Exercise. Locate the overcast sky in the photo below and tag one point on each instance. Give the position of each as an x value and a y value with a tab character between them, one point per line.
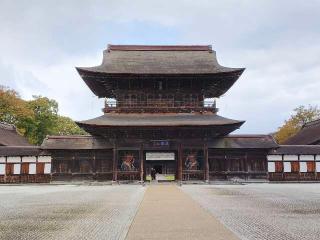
278	42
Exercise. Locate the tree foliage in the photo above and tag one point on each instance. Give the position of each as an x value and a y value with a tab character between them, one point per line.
36	118
66	126
301	116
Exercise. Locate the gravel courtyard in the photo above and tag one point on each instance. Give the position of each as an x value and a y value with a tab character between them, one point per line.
263	211
67	211
253	211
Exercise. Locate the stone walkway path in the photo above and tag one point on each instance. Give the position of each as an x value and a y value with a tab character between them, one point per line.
168	213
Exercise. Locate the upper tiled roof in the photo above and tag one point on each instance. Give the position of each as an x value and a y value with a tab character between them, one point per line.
142	59
309	134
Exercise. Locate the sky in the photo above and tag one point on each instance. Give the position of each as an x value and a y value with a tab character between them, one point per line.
278	42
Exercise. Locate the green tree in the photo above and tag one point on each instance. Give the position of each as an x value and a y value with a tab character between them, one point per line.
36	118
301	116
45	117
66	126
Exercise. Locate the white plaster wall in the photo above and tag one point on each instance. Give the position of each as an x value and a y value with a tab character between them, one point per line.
44	159
47	168
306	157
2	159
303	167
290	157
29	159
13	159
271	167
2	169
274	157
16	168
32	168
318	166
286	167
318	157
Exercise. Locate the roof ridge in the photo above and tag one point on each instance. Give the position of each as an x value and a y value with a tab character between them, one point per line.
20	146
69	136
248	135
112	47
313	122
7	126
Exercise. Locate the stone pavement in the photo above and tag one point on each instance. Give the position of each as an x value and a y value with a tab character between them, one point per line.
168	213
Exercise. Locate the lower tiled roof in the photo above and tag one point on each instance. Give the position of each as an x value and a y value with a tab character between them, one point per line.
249	141
180	119
296	149
22	151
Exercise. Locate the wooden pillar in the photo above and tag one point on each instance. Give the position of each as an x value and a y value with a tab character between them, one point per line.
141	163
227	166
115	164
94	170
228	162
73	166
206	163
246	165
180	153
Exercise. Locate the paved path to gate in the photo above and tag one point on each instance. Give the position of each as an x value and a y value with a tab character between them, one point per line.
168	213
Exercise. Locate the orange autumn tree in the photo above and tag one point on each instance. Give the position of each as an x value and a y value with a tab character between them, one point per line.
301	116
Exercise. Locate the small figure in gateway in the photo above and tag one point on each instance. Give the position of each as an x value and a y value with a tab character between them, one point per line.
153	174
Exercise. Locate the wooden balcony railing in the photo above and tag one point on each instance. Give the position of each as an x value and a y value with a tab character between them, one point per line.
160	106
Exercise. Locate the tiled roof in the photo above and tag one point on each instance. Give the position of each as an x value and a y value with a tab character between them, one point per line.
9	136
296	149
309	134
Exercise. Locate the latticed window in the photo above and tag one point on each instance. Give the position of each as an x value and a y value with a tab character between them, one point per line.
217	164
85	166
63	167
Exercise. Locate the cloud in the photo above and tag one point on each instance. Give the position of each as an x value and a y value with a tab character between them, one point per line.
277	42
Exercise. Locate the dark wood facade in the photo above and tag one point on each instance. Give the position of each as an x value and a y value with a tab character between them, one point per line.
193	160
159	99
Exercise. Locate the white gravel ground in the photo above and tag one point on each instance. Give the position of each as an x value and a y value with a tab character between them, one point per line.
67	211
254	211
263	211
